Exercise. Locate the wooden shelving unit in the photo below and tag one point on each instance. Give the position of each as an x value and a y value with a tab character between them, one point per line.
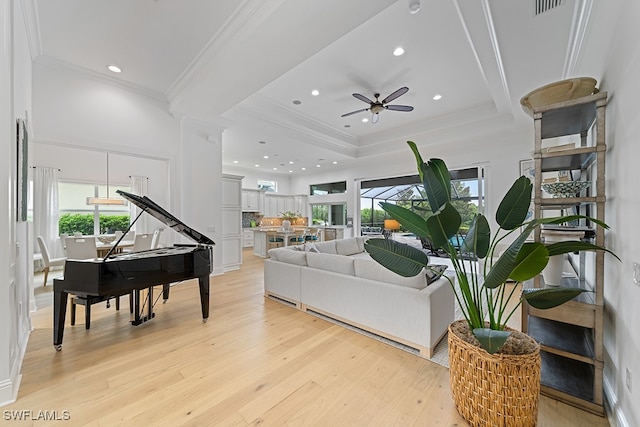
571	335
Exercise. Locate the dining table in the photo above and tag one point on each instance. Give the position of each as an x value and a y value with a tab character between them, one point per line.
104	248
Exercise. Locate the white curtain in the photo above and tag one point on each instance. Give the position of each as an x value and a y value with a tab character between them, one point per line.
139	186
46	209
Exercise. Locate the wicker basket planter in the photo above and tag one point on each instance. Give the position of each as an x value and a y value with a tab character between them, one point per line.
494	389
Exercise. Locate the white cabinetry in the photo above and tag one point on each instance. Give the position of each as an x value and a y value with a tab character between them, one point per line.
247	238
231	222
252	200
276	204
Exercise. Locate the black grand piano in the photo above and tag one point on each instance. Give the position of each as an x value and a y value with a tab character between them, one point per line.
130	273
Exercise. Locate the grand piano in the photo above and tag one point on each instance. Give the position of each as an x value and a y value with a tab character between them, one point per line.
133	273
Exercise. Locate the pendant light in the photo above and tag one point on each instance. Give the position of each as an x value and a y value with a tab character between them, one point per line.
106	200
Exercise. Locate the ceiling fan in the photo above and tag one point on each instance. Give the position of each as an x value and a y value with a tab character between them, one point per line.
377	106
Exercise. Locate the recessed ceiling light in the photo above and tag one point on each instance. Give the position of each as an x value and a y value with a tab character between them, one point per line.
275	169
317	166
235	161
290	171
262	142
257	166
114	68
398	51
290	163
297	102
437	97
315	92
365	120
304	169
335	163
266	157
321	160
347	126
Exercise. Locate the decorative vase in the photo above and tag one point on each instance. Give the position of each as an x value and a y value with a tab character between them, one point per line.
494	389
552	273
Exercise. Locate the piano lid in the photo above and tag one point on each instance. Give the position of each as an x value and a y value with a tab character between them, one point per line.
155	210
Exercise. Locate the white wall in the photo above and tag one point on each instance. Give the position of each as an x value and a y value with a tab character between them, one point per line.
16	290
251	178
622	297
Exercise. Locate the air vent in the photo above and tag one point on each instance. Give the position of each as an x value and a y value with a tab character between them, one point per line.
542	6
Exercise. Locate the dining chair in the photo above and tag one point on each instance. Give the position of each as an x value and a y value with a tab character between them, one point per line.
142	242
155	240
129	237
81	248
47	260
312	235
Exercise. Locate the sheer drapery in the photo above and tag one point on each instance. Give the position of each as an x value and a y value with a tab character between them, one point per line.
46	209
139	186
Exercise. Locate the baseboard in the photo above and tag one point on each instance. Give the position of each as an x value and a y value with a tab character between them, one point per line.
9	387
218	271
614	413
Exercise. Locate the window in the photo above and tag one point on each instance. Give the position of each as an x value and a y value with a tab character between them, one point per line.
329	188
77	217
270	186
467	195
329	214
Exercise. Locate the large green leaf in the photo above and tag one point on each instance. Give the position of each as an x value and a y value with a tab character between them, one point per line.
418	157
560	248
502	269
442	225
478	238
514	206
409	220
545	298
402	259
490	339
530	261
437	183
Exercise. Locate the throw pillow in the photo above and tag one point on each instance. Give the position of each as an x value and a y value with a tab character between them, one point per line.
434	272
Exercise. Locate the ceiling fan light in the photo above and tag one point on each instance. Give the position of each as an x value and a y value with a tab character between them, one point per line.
398	51
375	118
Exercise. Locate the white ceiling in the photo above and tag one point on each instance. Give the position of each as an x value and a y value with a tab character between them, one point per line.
243	63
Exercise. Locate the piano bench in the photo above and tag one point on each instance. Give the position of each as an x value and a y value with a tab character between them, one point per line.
88	301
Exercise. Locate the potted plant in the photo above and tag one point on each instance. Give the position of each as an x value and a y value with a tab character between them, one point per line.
482	339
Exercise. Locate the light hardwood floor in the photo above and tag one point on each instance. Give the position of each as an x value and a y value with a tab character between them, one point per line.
255	362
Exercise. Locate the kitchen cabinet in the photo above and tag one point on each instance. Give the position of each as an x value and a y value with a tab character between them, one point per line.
231	222
571	335
247	238
252	200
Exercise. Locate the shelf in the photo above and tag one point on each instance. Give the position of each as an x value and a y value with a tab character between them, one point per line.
569	376
572	341
566	202
569	117
578	158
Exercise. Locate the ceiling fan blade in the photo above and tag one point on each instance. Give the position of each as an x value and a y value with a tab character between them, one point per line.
363	98
399	107
395	94
354	112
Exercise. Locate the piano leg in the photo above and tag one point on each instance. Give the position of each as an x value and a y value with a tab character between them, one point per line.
204	296
59	314
165	293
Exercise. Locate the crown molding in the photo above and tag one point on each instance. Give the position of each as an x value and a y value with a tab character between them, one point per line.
50	61
32	24
577	34
239	22
483	42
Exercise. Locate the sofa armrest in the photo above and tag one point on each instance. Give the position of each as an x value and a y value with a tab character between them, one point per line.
282	280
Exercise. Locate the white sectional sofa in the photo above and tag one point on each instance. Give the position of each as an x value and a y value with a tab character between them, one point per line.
339	279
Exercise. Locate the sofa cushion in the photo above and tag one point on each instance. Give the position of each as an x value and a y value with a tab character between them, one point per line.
347	246
273	254
331	262
369	269
293	257
360	241
327	247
